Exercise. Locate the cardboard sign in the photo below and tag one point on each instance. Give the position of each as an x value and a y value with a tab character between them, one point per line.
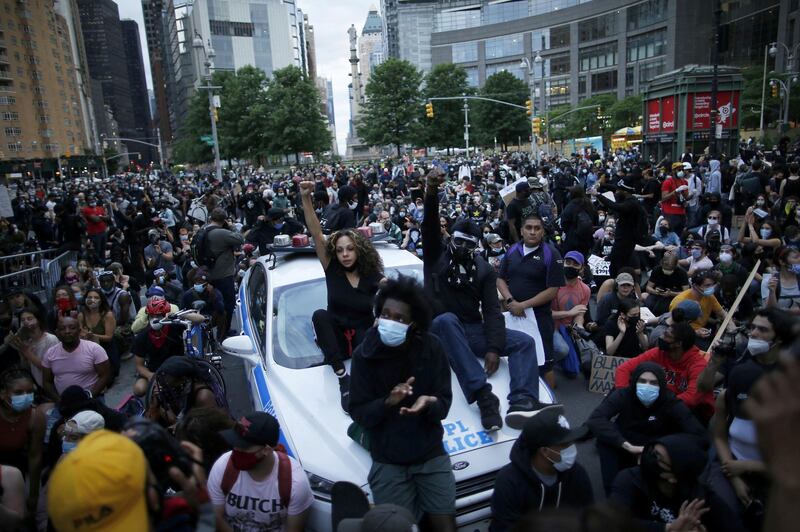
509	192
599	266
604	368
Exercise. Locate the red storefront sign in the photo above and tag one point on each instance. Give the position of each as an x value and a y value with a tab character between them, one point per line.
698	110
668	114
653	117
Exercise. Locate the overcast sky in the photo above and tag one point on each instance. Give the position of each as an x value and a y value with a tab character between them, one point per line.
330	19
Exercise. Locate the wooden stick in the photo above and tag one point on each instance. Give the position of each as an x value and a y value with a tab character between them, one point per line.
735	305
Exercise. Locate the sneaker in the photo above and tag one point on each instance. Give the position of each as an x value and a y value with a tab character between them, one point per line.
344	390
489	405
521	411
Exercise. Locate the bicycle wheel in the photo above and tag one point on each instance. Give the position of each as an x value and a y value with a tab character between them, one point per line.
215	374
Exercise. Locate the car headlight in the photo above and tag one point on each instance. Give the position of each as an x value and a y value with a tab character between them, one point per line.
319	484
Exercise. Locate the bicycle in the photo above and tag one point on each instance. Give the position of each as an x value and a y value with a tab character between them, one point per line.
198	338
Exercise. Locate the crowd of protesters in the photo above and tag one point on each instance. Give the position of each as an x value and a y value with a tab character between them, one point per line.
687	267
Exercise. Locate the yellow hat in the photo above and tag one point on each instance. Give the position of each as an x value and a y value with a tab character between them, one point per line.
677	166
100	486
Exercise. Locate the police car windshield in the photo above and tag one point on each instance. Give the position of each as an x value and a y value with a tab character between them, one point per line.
293	344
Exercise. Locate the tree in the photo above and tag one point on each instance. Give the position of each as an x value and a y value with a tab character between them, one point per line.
392	110
189	148
583	123
295	120
494	120
242	114
626	112
444	130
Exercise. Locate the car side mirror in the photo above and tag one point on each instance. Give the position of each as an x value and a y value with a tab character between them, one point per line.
241	346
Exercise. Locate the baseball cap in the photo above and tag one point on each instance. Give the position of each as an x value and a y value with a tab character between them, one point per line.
577	256
258	428
100	486
275	213
493	238
201	274
522	187
624	278
159	271
382	518
691	309
550	427
85	422
677	166
156	291
687	166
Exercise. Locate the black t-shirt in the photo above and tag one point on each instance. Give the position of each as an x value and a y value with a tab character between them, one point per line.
651	186
155	356
351	306
517	210
673	283
629	347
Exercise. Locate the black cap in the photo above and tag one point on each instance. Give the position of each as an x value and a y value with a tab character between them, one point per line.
258	428
523	187
275	213
550	427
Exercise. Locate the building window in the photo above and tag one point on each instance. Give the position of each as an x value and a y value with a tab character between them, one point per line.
14	146
539	40
650	70
472	76
604	81
8	100
597	28
465	52
458	19
13	132
647	45
559	36
10	115
504	46
47	133
44	119
235	29
647	13
602	56
51	147
512	67
503	12
581	84
629	79
559	64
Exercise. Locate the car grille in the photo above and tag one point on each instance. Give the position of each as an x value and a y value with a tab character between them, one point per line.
474	494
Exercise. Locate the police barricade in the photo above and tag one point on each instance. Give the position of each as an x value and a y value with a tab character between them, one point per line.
52	269
23	261
29	280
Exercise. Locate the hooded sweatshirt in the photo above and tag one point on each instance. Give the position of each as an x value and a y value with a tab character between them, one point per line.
714	183
681	375
638	424
376	369
636	488
519	490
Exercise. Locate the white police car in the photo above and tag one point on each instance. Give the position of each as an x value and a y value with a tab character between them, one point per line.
287	379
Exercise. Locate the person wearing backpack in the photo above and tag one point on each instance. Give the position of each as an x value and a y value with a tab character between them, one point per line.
256	486
577	221
215	248
632	227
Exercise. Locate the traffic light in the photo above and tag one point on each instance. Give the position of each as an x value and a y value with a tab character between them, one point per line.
537	125
543	124
216	114
599	110
774	87
429	110
528	107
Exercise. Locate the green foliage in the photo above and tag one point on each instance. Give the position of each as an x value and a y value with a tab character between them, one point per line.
750	102
625	113
446	128
493	120
394	101
242	113
584	123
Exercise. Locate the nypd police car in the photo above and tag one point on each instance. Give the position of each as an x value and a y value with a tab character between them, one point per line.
288	379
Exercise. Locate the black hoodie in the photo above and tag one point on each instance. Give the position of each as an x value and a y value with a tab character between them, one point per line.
519	490
376	369
638	424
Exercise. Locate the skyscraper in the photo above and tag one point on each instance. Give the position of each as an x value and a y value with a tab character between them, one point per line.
155	21
105	53
370	45
138	89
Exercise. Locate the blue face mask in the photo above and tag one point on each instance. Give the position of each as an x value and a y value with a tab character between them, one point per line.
199	288
647	393
765	233
796	269
392	333
709	291
20	403
278	225
68	446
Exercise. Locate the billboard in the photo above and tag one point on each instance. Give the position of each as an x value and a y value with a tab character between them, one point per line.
653	116
698	110
668	114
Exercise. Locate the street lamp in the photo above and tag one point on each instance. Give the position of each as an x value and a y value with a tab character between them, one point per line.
530	66
197	44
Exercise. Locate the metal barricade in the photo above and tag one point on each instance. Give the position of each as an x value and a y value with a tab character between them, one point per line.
23	261
29	279
52	268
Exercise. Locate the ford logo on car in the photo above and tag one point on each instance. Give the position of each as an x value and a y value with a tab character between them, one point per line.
458	466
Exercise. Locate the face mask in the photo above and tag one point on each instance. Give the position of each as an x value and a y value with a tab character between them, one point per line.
110	290
708	291
663	231
244	461
757	346
725	258
20	403
352	205
712	221
568	456
633	322
601	219
199	288
92	304
760	203
795	268
647	393
68	446
680	175
570	273
63	304
697	253
184	238
155	324
279	226
765	233
392	333
663	345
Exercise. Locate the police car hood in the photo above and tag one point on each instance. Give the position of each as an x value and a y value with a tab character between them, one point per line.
306	402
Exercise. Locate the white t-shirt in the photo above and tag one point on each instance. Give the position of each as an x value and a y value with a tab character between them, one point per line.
256	506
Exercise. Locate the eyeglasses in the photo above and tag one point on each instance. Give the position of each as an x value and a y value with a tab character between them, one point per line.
463	242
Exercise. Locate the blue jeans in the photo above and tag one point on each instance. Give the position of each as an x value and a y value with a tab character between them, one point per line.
464	343
560	347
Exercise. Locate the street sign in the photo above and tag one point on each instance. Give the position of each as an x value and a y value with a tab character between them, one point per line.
207	138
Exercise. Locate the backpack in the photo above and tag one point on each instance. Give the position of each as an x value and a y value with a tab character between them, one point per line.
583	225
546	252
201	253
231	475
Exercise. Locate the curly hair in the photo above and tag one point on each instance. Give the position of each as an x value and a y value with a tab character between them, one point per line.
368	262
407	290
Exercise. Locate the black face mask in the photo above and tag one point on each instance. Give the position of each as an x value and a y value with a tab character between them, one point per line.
664	345
570	273
461	254
633	322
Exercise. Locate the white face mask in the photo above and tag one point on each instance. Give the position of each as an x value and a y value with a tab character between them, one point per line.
757	346
725	258
568	457
155	324
680	175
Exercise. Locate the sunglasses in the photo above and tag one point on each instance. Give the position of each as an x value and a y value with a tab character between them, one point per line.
463	242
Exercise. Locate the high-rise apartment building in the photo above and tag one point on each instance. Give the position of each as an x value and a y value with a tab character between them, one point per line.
138	89
105	52
40	109
156	23
370	45
311	48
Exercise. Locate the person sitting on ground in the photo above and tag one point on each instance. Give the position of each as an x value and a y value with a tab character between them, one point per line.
571	302
666	281
400	393
142	320
630	418
626	336
682	362
686	311
704	285
698	261
608	304
353	271
543	472
781	289
74	361
173	289
204	297
181	385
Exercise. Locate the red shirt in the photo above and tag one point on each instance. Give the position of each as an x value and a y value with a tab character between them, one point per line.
569	296
94	228
671	206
